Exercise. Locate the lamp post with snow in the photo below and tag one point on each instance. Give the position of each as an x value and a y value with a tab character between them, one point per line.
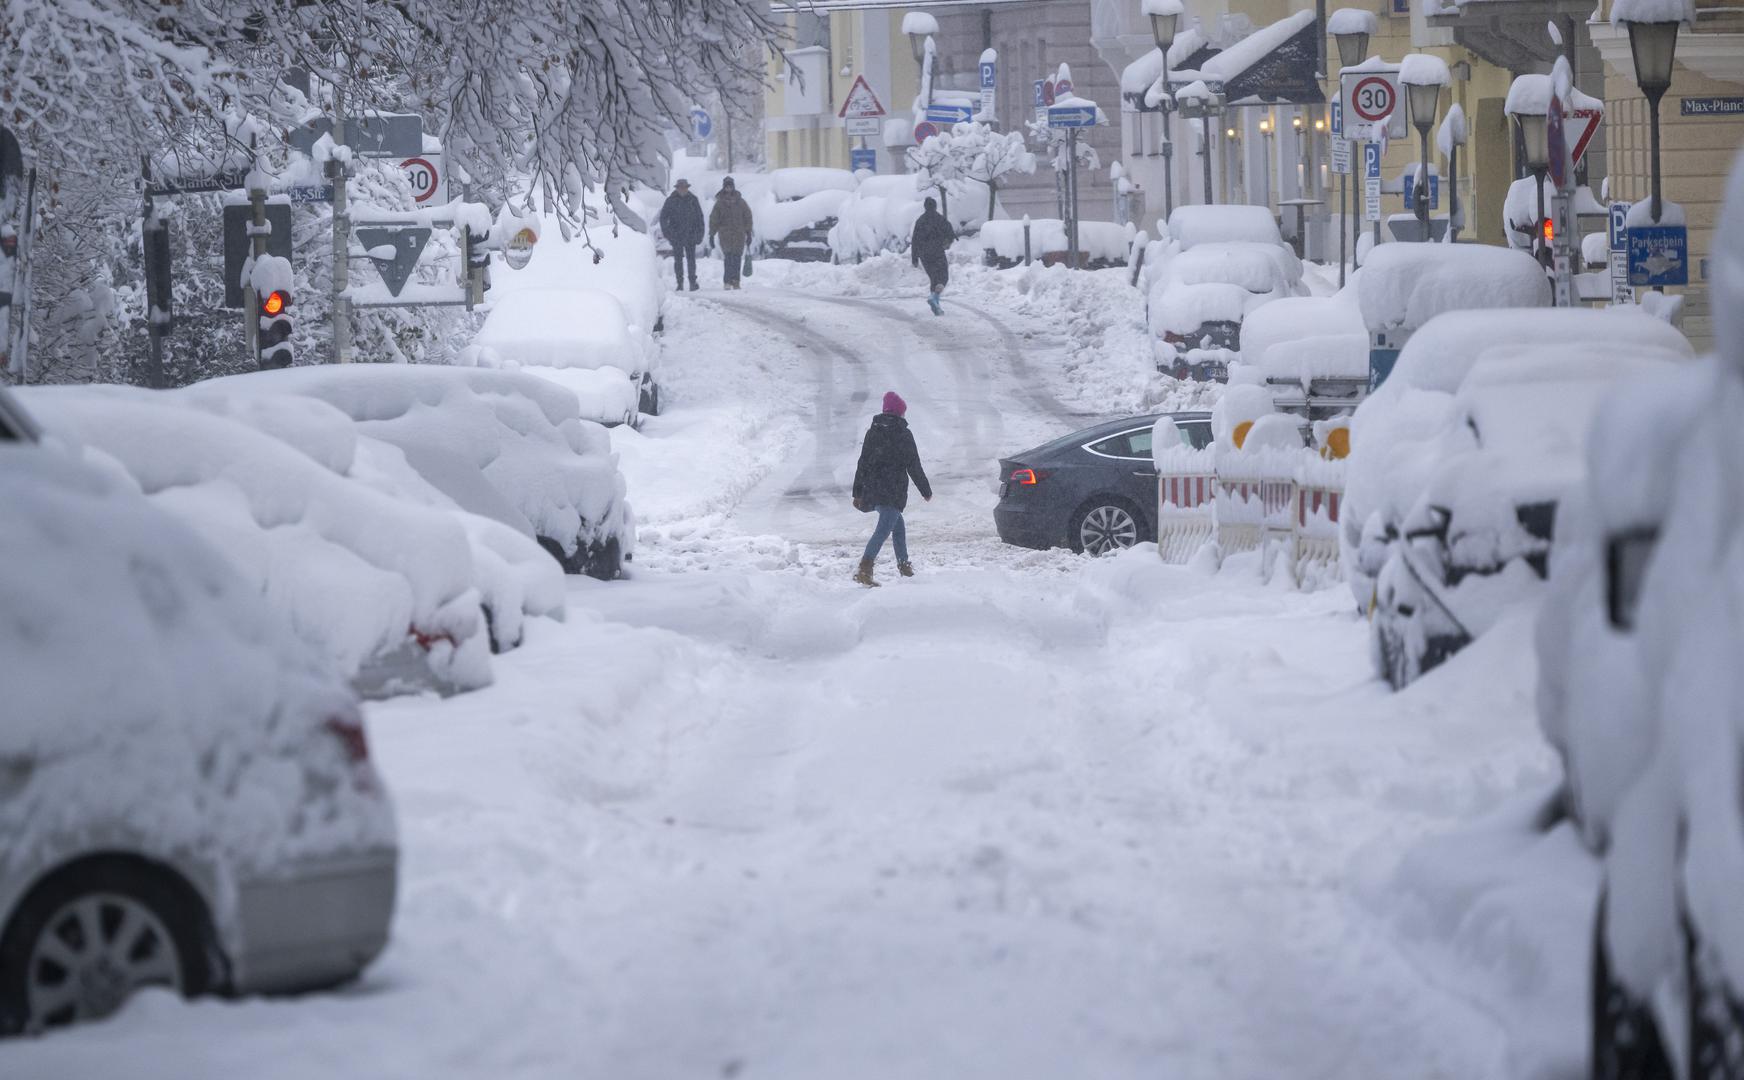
1350	29
1199	103
1529	107
1423	77
1165	16
920	26
1653	46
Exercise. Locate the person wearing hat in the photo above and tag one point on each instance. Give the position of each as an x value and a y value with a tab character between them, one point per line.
730	222
681	224
888	461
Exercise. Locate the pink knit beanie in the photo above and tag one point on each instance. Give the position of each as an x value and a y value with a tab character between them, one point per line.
893	403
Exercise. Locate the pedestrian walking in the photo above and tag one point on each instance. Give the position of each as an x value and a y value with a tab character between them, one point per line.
730	222
932	238
888	460
681	224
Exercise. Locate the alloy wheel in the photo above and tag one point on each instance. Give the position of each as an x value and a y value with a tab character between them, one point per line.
92	953
1107	528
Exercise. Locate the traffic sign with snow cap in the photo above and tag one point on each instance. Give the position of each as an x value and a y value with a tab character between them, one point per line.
924	130
1372	98
1062	88
394	249
860	102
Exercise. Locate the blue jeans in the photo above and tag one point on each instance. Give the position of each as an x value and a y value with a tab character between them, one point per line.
889	524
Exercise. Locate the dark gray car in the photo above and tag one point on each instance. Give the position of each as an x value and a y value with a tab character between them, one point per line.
1094	490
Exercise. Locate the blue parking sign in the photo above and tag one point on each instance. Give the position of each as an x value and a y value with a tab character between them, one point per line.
1658	255
1371	160
863	157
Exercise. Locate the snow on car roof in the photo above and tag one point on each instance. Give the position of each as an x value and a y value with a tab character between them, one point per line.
550	327
1185	308
796	183
151	689
1191	226
1258	268
1406	285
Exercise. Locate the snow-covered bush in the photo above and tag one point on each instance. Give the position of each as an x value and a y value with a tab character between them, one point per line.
881	215
1101	243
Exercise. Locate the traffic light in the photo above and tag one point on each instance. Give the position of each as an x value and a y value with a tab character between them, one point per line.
275	329
1549	231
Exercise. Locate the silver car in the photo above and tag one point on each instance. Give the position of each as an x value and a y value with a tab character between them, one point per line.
186	797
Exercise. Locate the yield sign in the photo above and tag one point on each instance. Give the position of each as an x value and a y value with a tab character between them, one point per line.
394	249
861	102
1581	126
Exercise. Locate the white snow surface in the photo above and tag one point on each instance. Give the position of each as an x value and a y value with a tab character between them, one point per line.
1406	285
151	692
753	820
1649	11
1424	69
919	22
797	183
552	472
1190	226
1352	21
561	328
1528	95
355	572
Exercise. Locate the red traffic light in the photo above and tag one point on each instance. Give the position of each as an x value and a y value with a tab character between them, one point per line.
273	303
1549	231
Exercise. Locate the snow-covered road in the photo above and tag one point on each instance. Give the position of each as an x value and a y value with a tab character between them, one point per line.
1025	815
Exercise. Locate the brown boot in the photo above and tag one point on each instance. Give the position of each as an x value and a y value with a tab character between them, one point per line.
864	574
906	569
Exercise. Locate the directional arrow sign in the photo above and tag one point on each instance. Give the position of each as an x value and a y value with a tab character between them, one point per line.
402	244
949	114
1072	116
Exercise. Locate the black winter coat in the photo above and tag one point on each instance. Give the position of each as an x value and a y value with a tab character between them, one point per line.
681	219
887	460
932	237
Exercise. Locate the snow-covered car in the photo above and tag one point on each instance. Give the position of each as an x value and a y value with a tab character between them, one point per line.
1204	293
800	207
1312	352
580	339
1638	691
186	794
386	589
1478	538
506	446
1394	431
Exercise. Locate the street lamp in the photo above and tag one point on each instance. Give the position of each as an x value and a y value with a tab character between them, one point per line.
1165	16
1199	103
1350	29
1423	76
1529	105
1654	46
920	26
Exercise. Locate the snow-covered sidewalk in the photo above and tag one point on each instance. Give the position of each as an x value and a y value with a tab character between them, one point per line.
1025	815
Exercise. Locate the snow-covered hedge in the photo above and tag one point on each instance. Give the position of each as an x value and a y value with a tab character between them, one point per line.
152	694
881	214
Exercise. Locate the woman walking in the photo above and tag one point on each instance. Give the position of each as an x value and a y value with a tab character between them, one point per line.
888	459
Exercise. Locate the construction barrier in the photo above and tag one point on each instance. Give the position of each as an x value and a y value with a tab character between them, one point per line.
1283	504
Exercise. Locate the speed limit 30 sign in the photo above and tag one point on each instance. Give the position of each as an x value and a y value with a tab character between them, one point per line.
424	177
1371	97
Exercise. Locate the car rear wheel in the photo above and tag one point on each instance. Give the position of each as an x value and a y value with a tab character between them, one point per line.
1102	526
86	940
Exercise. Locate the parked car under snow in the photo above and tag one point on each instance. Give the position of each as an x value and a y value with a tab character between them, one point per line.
1475	472
580	339
186	794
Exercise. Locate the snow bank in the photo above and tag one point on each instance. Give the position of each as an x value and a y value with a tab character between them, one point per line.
375	583
552	472
151	694
1403	286
1190	226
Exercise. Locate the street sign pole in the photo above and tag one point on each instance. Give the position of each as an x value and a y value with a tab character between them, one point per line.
1072	188
257	233
341	314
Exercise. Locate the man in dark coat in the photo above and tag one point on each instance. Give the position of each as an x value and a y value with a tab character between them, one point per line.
888	460
730	222
681	224
932	238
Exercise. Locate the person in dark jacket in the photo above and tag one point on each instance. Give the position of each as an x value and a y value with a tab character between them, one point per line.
681	224
730	222
888	460
932	238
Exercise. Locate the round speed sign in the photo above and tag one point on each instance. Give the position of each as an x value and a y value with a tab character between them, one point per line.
1372	99
422	173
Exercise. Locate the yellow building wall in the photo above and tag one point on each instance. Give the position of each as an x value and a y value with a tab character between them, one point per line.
1696	156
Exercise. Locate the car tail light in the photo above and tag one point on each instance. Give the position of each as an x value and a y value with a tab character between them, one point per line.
1026	477
1172	338
349	731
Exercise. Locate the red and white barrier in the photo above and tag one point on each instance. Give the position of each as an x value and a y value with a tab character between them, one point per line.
1276	502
